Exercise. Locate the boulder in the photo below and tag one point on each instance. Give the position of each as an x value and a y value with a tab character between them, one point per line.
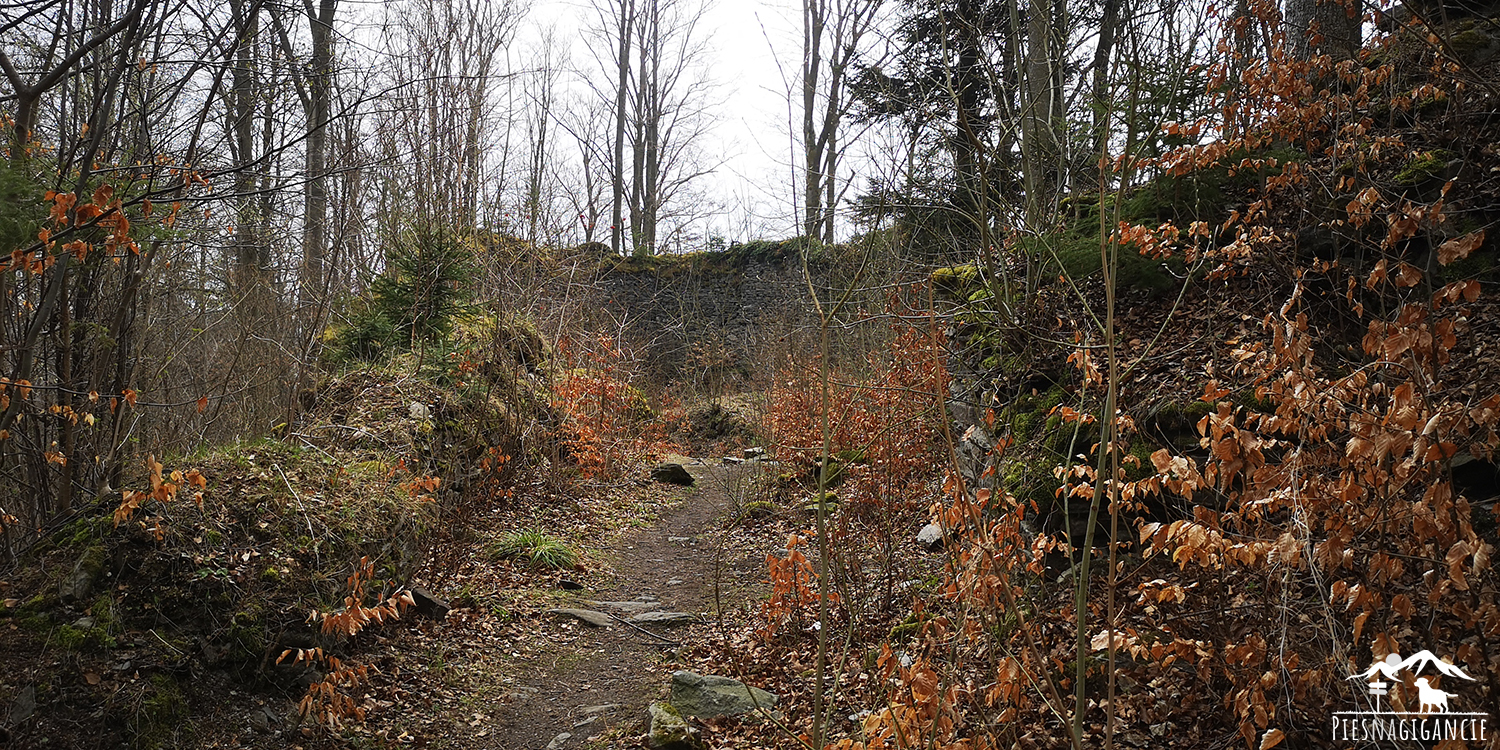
24	705
669	731
710	696
586	616
931	537
77	586
672	474
426	604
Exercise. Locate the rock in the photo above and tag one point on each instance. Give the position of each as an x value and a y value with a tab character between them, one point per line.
24	705
669	731
732	460
77	585
674	582
754	453
626	607
679	539
604	709
427	605
558	741
709	696
585	616
419	410
84	623
672	474
931	537
664	618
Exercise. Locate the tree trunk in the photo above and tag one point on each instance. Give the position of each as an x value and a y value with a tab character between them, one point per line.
248	269
315	203
1039	141
812	63
617	230
1322	27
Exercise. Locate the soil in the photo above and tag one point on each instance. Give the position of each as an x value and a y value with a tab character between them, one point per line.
680	561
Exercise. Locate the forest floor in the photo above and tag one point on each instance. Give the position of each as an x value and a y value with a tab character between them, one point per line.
518	677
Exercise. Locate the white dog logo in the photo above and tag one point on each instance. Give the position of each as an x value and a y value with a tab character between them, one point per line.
1430	699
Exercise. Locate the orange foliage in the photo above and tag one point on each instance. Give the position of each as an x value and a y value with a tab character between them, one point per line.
609	424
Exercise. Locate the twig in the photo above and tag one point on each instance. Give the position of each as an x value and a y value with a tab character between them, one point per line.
628	623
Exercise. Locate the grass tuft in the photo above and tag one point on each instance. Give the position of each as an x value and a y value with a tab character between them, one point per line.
534	549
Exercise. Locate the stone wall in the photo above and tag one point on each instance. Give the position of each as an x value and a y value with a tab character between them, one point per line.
704	316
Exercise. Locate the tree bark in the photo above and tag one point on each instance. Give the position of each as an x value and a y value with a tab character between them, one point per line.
1323	27
315	203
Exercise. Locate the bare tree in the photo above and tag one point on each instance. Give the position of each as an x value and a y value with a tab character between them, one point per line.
447	59
661	103
586	120
833	32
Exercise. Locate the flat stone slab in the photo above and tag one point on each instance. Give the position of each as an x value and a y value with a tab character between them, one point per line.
708	696
626	607
585	616
664	618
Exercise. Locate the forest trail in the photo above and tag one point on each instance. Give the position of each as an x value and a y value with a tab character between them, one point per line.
593	684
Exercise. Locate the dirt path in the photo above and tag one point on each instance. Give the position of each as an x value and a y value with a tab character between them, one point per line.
595	684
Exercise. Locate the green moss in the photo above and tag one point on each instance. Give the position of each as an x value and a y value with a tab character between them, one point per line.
1249	399
1075	253
159	721
908	628
70	638
1424	166
94	560
368	470
1472	45
247	635
1197	410
103	612
36	622
1140	466
1479	265
957	281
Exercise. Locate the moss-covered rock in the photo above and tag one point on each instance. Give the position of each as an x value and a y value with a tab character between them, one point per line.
669	731
1424	166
